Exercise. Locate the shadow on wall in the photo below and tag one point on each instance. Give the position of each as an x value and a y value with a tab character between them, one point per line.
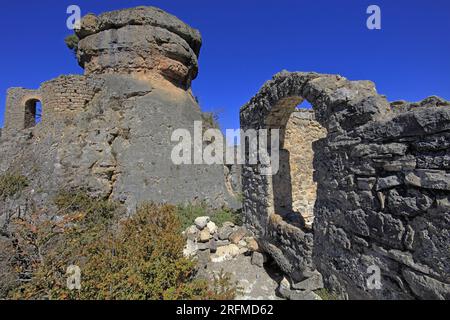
294	187
282	186
33	113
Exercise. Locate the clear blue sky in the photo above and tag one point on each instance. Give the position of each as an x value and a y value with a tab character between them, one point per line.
247	41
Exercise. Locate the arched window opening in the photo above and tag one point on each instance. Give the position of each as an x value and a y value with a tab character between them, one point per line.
33	113
304	105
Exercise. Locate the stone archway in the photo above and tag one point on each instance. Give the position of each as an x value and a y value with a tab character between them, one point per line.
338	104
280	208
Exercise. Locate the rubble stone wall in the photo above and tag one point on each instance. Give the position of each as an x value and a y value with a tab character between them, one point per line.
383	193
16	115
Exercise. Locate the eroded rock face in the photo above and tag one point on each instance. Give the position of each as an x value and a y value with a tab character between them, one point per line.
383	190
143	40
109	131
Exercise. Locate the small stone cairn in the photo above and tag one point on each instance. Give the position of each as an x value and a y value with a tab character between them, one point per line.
206	242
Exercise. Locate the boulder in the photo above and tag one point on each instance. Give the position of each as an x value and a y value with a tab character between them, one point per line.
228	224
205	235
258	259
211	227
287	292
388	182
429	179
201	222
222	243
252	244
225	232
190	249
314	282
203	246
191	233
213	245
203	257
225	253
425	287
238	235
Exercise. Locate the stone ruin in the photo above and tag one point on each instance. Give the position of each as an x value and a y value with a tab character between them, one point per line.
363	185
109	130
362	182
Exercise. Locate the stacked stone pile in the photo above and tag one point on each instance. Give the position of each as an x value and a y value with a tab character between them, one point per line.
207	242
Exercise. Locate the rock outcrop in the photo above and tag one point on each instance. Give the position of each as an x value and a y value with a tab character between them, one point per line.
140	40
109	131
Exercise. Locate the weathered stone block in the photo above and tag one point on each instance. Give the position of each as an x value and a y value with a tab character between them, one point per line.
429	179
388	182
425	287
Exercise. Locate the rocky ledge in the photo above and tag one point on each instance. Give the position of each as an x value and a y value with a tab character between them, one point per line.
139	40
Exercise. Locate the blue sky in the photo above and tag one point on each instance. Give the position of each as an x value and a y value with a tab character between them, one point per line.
247	41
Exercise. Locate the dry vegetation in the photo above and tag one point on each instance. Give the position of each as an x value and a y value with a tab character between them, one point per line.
135	258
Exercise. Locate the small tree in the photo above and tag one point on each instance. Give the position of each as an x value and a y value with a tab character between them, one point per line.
72	42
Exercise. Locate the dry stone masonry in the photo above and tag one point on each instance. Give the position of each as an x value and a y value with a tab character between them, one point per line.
383	188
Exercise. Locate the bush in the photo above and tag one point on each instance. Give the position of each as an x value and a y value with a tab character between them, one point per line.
325	294
210	120
11	185
72	42
138	258
188	213
95	210
220	216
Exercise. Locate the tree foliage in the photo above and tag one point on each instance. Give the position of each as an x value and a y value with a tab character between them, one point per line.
72	42
11	184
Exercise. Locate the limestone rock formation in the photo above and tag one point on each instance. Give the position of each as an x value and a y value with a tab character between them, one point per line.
139	40
109	131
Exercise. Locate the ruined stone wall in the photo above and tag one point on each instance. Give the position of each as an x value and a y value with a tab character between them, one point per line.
67	94
61	98
383	189
16	117
388	206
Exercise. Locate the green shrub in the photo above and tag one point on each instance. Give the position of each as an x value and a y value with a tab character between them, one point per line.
220	216
139	258
72	42
188	213
325	294
11	185
95	210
